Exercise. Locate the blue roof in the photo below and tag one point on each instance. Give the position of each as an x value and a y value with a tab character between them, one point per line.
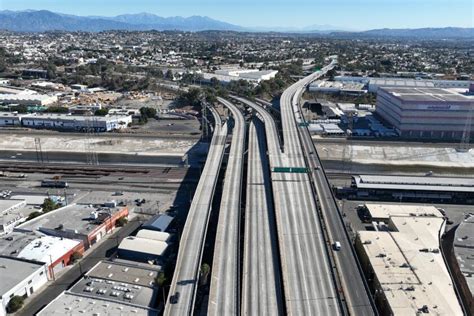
158	222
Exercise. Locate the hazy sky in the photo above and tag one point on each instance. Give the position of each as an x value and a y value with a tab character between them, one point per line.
349	14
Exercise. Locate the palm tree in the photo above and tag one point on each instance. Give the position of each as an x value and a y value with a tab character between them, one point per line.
205	269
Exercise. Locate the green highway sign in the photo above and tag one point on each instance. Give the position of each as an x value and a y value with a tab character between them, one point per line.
303	124
290	169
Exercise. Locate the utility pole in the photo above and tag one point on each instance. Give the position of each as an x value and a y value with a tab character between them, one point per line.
39	150
464	146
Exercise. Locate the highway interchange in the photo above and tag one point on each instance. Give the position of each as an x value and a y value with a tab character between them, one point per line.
290	220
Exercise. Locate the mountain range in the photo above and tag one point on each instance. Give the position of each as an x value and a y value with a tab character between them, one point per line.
43	20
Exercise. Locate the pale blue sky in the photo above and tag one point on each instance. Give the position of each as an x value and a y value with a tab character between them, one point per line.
350	14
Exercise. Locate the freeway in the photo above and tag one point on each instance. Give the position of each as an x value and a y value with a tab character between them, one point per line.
224	297
184	284
315	285
261	285
307	278
357	299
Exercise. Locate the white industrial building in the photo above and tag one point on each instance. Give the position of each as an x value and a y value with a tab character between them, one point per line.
406	269
56	252
153	235
250	75
373	84
141	249
19	277
10	215
335	87
78	123
10	119
425	112
28	99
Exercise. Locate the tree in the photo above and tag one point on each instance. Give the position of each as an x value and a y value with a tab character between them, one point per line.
147	112
160	279
33	215
49	205
76	256
169	75
120	222
51	70
205	269
57	109
101	112
15	303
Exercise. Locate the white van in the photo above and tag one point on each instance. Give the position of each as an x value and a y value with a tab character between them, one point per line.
336	245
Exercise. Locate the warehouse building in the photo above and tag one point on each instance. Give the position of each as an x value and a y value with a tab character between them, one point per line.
463	246
338	87
68	303
406	188
122	271
405	268
383	212
56	252
154	235
159	222
83	222
76	123
373	84
19	277
10	215
110	288
254	76
10	119
28	99
142	249
431	113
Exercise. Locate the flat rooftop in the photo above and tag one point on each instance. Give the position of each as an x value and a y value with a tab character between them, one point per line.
143	245
426	94
387	210
75	217
14	242
121	292
7	204
68	117
415	183
464	249
47	248
121	272
75	304
409	266
14	271
153	234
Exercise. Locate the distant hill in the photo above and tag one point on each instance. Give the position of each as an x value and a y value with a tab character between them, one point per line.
433	33
40	21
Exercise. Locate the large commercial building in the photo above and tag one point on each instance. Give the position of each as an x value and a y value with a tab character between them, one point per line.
425	112
405	267
10	215
463	255
254	76
407	188
76	123
66	122
28	99
110	288
373	84
55	251
82	222
19	277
